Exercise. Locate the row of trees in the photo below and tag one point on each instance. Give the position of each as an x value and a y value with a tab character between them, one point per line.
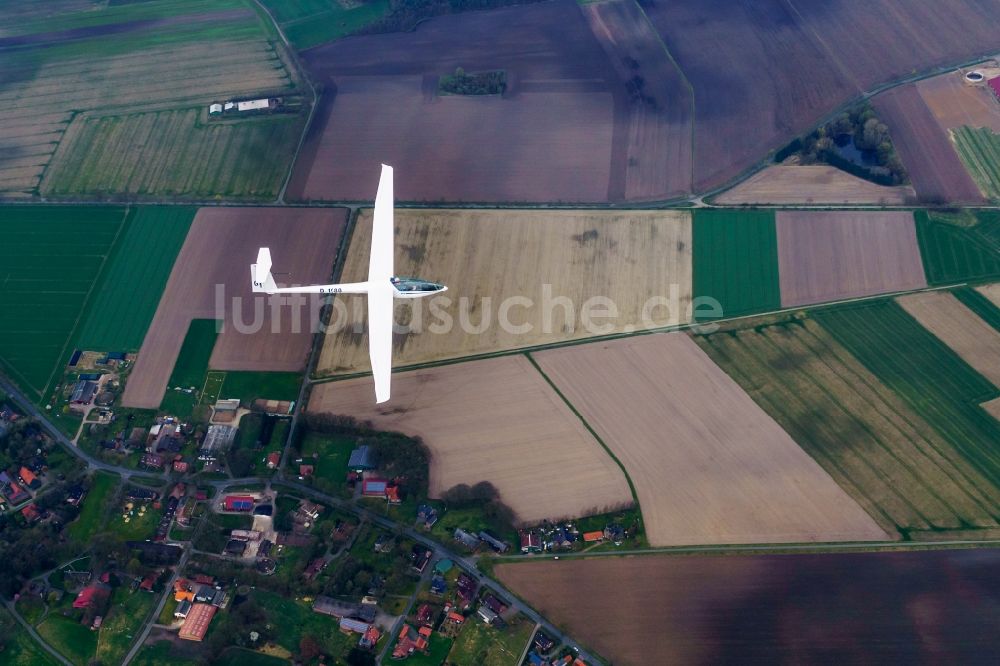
406	14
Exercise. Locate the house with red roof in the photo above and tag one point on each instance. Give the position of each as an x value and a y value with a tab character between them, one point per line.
273	459
92	596
31	513
29	479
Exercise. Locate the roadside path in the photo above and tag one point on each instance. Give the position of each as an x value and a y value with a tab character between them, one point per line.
34	634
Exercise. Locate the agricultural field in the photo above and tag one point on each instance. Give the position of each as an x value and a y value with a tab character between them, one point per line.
50	260
19	648
962	330
219	248
494	420
120	311
759	77
956	103
709	466
927	375
878	445
495	262
182	154
69	637
824	608
934	167
991	292
736	260
69	86
812	184
556	134
979	149
830	256
959	248
308	23
660	102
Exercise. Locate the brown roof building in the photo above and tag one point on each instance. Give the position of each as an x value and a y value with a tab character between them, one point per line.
196	623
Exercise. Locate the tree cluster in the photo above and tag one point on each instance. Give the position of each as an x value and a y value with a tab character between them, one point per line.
493	82
404	15
484	496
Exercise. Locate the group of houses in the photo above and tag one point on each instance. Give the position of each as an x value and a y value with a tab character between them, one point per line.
236	107
567	537
198	599
355	618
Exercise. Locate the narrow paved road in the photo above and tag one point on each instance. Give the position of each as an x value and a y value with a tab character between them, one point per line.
34	634
148	626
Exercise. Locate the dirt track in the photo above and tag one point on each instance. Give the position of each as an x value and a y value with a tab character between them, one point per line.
709	465
489	258
975	341
219	249
812	184
827	256
495	420
925	149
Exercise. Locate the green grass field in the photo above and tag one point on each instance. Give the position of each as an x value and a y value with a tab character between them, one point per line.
19	649
979	149
308	23
332	453
956	252
70	638
49	260
247	386
191	367
925	373
479	645
160	654
185	155
240	657
130	289
437	651
297	619
94	509
129	611
882	449
736	259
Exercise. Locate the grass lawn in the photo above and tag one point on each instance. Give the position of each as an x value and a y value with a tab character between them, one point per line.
213	387
92	514
49	260
438	648
248	386
235	656
190	369
70	638
166	615
480	645
332	454
736	259
308	23
297	619
19	649
31	608
126	297
124	621
160	654
139	527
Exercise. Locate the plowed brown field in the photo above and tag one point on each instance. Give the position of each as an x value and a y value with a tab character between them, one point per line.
496	420
956	103
708	464
829	256
812	184
487	257
217	254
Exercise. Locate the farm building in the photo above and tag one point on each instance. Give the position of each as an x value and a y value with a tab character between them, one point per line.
493	542
349	625
341	609
488	616
374	487
362	459
224	411
238	503
236	547
92	596
994	85
467	539
217	440
196	624
255	104
215	109
531	542
83	392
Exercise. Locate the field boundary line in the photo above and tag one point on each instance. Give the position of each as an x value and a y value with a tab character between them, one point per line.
607	449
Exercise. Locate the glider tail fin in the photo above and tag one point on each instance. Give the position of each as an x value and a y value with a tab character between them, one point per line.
260	273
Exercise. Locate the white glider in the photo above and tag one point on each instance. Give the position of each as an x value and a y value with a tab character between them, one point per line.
382	286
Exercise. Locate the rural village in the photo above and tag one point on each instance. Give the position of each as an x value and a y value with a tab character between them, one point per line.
716	379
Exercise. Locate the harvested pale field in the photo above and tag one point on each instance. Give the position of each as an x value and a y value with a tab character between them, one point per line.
812	184
48	88
558	132
992	292
903	470
829	256
708	464
956	103
216	255
920	607
489	257
975	341
661	111
494	420
934	167
992	408
545	145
